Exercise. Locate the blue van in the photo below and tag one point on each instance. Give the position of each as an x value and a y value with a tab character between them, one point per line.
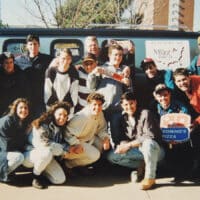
169	49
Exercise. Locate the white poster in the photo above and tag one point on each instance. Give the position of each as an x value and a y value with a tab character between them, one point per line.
168	54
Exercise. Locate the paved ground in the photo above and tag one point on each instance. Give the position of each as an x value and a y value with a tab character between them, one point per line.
114	184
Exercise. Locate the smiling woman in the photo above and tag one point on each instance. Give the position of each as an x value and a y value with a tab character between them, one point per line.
47	136
13	137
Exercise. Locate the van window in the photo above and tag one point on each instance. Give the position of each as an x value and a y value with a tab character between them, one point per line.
15	46
76	47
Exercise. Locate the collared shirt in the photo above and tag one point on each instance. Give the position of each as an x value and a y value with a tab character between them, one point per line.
174	107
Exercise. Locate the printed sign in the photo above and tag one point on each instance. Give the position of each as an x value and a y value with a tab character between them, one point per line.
169	54
175	127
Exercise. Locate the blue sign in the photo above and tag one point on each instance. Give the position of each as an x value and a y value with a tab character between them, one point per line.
179	134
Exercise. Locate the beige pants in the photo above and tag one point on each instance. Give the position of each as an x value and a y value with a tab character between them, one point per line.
89	156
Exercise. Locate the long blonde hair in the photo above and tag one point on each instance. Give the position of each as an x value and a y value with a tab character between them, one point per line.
15	103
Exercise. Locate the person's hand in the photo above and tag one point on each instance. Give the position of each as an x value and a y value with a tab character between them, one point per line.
78	66
54	62
126	81
131	48
75	149
122	148
193	126
98	70
106	144
173	142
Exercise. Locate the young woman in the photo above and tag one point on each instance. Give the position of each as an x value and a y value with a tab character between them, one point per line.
47	139
13	137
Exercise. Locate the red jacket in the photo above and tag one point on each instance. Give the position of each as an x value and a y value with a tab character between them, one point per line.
195	92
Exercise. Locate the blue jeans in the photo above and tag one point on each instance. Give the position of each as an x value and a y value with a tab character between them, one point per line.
113	118
15	159
149	151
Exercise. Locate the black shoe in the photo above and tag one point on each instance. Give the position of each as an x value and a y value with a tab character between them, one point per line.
138	175
37	182
70	172
10	179
195	171
85	171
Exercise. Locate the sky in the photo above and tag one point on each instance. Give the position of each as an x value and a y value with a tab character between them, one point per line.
13	12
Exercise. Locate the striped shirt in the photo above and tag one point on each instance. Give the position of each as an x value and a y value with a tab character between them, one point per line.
83	91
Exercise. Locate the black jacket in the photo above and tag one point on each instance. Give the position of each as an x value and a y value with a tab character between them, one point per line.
145	127
35	70
12	86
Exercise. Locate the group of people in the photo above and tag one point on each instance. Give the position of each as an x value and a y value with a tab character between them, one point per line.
57	116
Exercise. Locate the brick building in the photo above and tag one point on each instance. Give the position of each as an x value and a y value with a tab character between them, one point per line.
174	14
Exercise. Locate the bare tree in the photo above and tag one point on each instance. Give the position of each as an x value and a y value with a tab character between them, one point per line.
45	11
76	13
136	11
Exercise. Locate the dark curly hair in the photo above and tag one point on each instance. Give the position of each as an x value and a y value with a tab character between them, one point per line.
48	116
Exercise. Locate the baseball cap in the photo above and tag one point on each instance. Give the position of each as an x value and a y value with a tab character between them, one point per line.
161	87
146	62
89	57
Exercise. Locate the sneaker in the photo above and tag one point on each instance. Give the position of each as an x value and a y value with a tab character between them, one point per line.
147	184
134	177
138	175
195	171
37	183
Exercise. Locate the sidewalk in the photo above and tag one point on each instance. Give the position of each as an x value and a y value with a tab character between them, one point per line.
101	187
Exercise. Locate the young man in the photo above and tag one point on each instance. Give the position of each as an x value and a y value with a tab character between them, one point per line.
13	82
89	63
189	92
166	103
190	88
35	64
110	81
88	128
179	155
140	139
91	45
154	76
